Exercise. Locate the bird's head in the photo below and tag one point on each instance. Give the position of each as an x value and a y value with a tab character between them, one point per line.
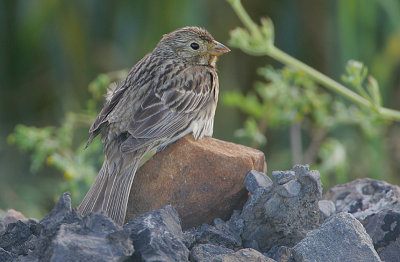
192	44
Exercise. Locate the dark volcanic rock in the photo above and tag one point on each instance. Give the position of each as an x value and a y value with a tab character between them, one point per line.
235	223
219	234
280	254
326	208
64	236
212	253
189	237
384	229
364	197
5	256
18	237
282	214
207	252
62	213
256	179
157	236
340	238
97	238
243	255
282	177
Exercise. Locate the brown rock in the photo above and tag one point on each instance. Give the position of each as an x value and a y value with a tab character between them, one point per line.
202	179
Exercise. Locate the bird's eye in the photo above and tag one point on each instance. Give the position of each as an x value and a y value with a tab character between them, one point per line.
194	45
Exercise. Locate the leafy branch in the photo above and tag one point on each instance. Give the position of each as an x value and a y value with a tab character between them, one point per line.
290	102
258	40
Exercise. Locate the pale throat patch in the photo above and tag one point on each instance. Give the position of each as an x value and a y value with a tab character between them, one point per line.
213	60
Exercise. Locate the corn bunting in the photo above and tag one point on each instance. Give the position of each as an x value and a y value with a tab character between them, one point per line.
171	92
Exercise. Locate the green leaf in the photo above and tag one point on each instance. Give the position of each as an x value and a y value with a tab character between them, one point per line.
373	90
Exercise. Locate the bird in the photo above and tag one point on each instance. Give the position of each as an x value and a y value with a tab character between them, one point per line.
169	93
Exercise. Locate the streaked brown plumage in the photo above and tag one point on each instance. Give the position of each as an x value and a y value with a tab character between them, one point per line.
170	93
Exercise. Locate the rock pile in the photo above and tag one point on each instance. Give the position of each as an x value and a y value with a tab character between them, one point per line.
377	205
65	236
283	220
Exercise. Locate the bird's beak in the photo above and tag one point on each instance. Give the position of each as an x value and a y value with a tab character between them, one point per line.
218	49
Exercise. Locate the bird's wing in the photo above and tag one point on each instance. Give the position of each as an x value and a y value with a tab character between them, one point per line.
107	109
170	109
114	106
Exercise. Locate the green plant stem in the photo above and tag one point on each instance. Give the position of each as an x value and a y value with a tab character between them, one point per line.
318	76
279	55
243	16
328	82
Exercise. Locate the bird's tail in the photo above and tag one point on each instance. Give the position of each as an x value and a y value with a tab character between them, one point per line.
110	191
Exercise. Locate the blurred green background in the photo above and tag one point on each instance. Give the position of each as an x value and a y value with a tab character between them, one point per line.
51	50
